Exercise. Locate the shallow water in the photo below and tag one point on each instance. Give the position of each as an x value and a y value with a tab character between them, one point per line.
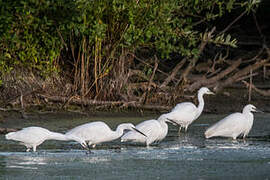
188	156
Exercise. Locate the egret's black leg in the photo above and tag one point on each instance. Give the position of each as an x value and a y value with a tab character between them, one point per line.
88	148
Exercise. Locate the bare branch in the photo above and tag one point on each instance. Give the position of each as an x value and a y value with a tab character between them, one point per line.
262	92
174	72
215	79
193	61
236	77
234	21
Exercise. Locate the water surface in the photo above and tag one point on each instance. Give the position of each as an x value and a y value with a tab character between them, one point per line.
188	156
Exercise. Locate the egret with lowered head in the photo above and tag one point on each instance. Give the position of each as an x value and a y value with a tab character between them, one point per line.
31	137
93	133
186	112
155	131
234	125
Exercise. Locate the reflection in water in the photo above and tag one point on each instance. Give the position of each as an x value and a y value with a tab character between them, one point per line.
23	160
226	144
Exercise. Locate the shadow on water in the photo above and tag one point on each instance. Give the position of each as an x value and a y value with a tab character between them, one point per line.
259	138
185	156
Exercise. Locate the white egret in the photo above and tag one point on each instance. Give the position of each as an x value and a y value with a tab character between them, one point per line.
31	137
186	112
233	125
93	133
155	131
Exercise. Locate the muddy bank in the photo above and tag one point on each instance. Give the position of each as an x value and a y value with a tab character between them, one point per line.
230	100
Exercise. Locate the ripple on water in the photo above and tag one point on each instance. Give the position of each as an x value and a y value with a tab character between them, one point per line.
21	167
188	156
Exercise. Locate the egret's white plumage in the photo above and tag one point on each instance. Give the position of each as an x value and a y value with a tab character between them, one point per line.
31	137
155	131
234	125
97	132
185	113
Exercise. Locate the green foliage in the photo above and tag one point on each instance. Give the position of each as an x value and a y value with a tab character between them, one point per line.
221	40
28	35
35	34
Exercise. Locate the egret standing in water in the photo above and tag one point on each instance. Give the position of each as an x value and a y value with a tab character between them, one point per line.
31	137
93	133
234	125
155	131
185	113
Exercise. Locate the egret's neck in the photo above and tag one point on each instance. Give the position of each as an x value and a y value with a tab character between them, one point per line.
249	115
118	133
57	136
70	137
200	105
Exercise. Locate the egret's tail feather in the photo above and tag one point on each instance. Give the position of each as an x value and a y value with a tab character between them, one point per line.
9	135
208	133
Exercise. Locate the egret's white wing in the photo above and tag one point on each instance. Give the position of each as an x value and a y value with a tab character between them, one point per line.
183	113
29	135
227	127
92	132
185	106
151	128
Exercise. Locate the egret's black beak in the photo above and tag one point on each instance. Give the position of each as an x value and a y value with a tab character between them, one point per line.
173	122
139	131
210	92
259	111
